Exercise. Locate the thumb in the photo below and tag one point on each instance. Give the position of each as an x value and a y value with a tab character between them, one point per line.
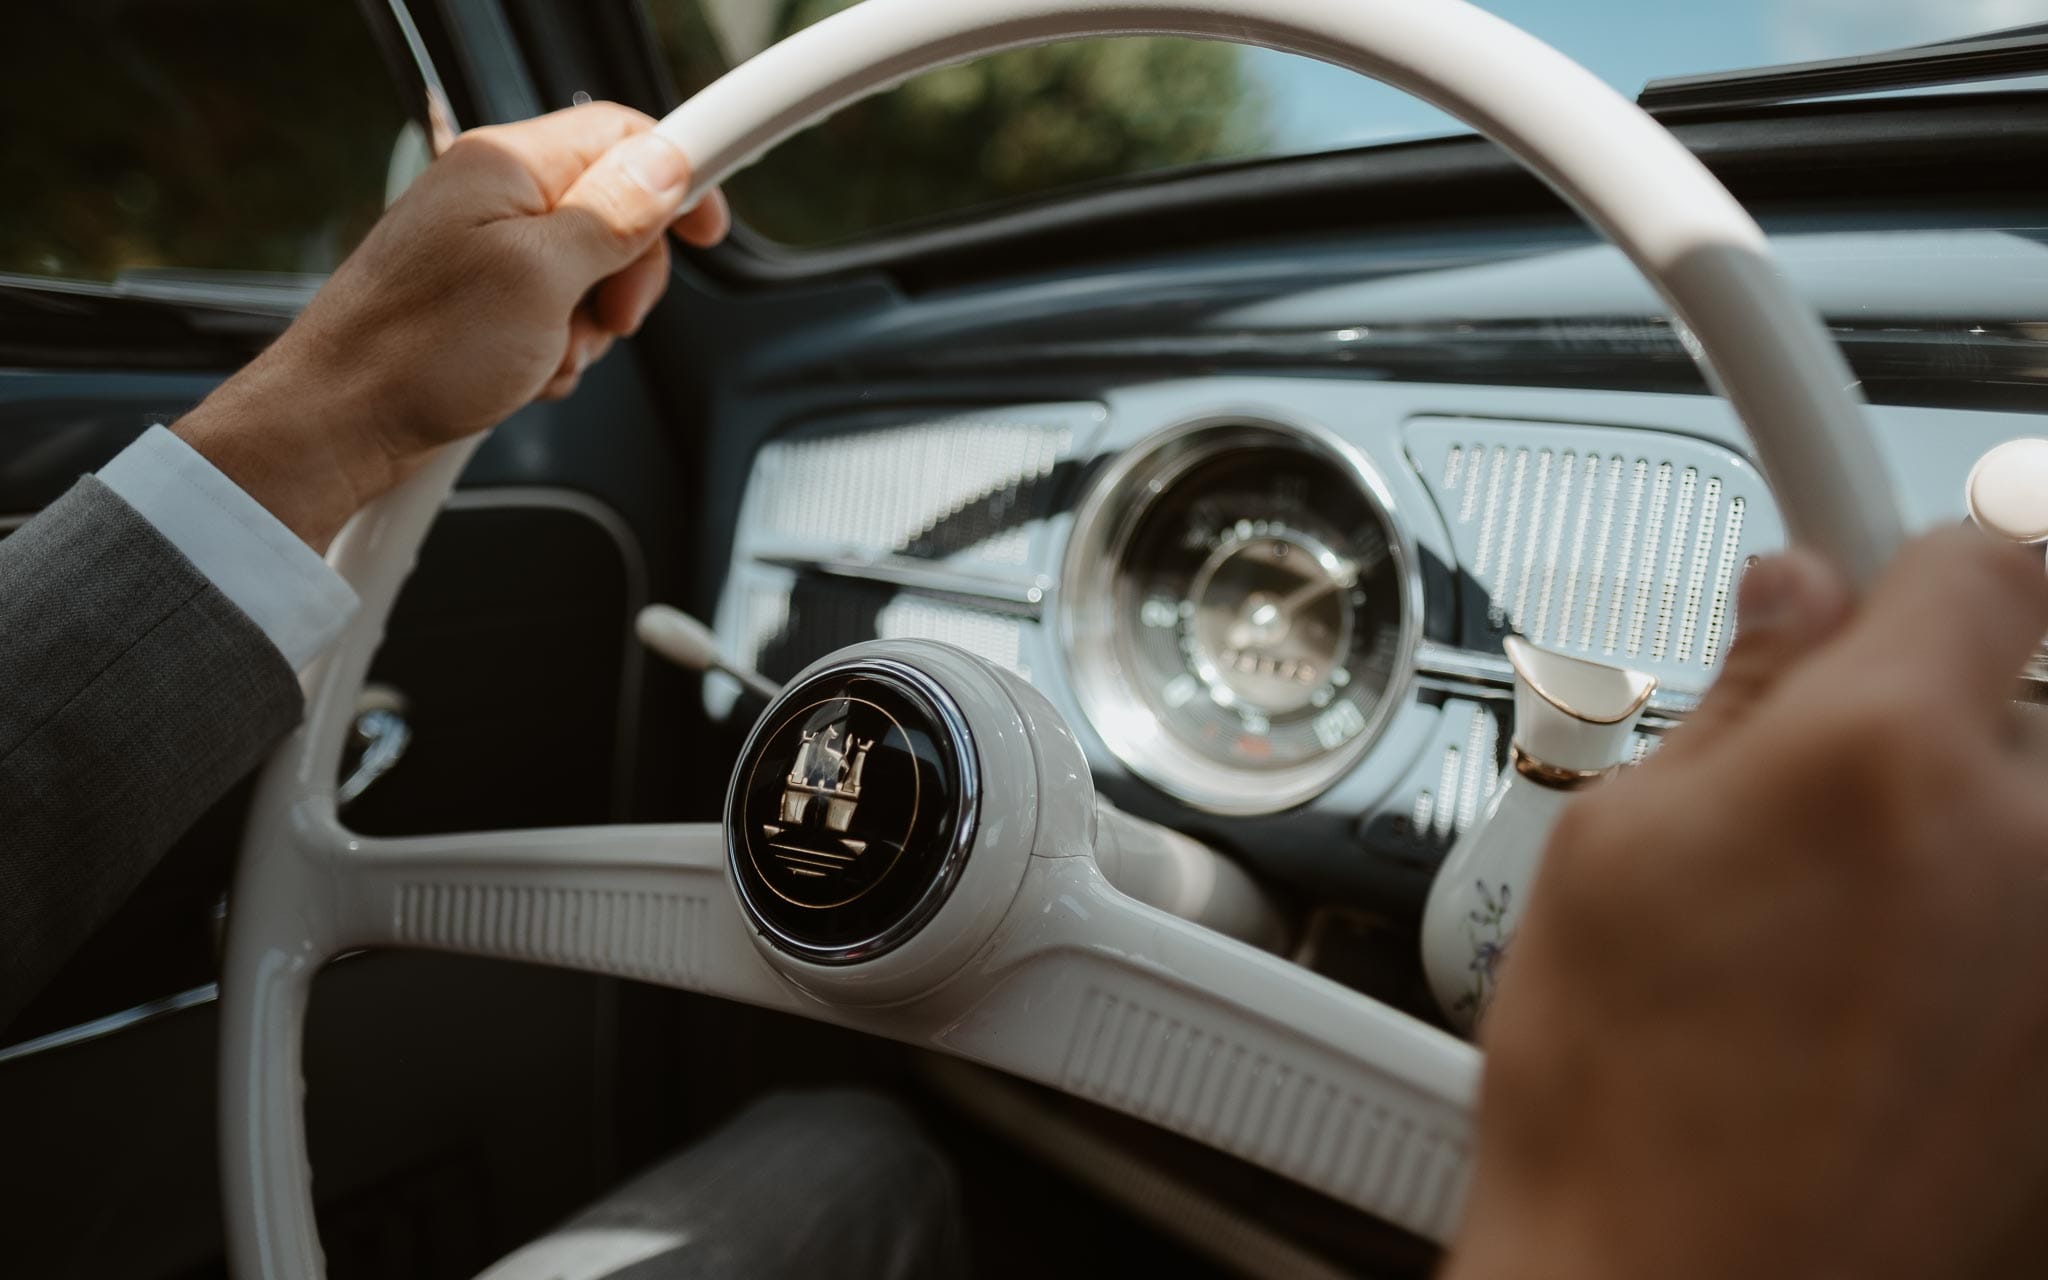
620	205
1788	607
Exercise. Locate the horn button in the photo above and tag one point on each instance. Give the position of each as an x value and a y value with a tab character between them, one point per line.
852	811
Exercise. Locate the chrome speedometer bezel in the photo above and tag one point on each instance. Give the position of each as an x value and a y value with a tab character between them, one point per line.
1104	523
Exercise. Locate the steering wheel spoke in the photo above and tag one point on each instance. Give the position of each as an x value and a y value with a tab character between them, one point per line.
642	902
1123	1004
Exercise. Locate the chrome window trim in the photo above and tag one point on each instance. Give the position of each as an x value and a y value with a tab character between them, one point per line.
100	1028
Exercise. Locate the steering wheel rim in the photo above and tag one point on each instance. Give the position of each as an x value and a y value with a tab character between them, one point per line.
306	888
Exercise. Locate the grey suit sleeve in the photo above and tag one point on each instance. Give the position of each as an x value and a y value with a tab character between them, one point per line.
133	695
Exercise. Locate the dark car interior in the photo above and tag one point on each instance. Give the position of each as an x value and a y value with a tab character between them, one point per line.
998	354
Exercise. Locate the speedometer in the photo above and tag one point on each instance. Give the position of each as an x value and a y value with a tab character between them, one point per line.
1238	609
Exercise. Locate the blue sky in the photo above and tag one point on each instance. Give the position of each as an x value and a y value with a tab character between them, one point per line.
1310	105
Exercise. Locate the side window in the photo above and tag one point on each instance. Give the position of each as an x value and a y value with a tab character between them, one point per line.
191	136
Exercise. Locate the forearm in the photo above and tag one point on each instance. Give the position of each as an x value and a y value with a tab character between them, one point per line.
301	440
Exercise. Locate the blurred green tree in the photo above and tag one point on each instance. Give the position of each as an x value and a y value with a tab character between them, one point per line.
1012	125
199	134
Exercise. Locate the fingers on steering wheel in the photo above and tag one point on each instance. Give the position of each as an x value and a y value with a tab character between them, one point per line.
707	223
1953	619
618	207
620	304
557	148
588	343
1788	607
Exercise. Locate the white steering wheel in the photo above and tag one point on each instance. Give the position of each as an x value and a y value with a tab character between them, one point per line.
1007	946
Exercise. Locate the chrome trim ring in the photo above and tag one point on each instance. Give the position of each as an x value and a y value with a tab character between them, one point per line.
1104	523
956	739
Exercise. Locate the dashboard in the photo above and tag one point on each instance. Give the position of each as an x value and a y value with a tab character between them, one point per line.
1272	606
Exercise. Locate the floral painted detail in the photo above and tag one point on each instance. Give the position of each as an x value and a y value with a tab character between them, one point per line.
1487	929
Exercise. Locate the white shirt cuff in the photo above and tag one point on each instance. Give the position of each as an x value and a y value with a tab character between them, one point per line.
247	553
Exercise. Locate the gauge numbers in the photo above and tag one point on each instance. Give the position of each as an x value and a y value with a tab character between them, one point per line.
1254	607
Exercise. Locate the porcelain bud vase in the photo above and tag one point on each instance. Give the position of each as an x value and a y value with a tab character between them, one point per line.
1575	724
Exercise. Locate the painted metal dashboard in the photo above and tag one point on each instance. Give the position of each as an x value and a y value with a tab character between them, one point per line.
1547	459
1609	523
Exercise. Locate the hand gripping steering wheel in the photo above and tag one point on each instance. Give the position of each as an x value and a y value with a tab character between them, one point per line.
980	923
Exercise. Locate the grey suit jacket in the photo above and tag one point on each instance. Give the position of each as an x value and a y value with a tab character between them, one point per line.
133	695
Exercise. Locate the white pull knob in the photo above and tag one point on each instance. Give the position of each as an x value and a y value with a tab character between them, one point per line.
2008	491
689	644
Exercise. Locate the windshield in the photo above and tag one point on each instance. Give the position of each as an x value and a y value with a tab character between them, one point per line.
1037	120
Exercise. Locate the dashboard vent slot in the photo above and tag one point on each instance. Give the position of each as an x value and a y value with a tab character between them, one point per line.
1453	781
1467	776
1623	545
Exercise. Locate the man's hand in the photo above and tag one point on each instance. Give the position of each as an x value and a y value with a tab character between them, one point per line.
1780	1005
510	267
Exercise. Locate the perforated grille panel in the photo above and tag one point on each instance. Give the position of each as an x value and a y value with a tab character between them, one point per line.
931	490
1623	545
991	635
965	493
786	624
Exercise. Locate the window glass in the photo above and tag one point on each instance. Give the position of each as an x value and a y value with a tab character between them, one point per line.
1035	120
194	135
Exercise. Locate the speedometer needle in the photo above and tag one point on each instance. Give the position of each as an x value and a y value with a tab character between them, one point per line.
1295	599
1268	614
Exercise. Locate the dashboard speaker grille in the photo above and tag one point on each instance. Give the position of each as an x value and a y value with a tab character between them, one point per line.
929	490
921	528
785	623
1622	545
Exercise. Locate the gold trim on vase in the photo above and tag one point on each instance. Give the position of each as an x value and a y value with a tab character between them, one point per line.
1551	775
1517	649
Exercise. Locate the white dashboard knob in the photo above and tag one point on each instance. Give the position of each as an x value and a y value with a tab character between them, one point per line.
2008	491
